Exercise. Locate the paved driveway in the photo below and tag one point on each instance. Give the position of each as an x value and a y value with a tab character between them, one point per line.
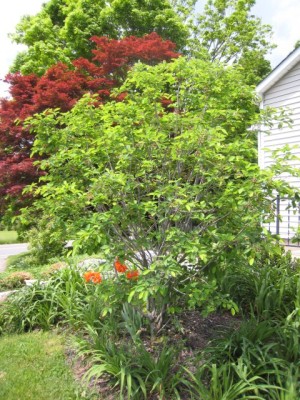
10	250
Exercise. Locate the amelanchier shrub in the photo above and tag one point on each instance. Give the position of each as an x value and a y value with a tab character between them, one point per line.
170	169
167	178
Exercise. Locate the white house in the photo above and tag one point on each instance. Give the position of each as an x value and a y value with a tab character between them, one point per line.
281	89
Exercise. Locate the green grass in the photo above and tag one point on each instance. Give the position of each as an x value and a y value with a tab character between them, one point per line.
15	259
8	237
33	367
23	262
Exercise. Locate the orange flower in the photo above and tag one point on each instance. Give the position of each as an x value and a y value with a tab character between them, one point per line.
132	274
119	266
91	276
97	278
88	276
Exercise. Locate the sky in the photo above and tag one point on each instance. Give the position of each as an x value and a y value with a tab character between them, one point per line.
283	16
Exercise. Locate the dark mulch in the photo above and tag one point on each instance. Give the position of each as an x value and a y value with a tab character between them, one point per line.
198	331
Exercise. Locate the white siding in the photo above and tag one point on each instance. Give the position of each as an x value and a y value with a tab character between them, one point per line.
284	93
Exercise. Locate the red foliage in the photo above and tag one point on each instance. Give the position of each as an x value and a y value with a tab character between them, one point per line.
22	89
16	167
60	87
113	54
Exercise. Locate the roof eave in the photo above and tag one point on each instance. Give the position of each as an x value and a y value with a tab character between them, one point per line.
287	64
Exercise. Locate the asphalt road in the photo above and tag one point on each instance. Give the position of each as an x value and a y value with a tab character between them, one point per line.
10	250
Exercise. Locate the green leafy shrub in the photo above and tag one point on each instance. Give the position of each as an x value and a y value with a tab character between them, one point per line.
44	244
167	179
206	295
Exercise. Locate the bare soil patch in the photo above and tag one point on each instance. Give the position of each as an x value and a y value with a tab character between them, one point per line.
198	331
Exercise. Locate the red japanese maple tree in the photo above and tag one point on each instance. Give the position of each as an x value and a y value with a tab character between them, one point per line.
60	87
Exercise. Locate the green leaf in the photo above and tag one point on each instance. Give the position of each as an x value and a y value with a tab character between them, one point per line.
251	261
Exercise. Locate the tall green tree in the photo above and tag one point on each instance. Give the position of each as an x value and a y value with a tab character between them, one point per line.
61	31
230	33
226	31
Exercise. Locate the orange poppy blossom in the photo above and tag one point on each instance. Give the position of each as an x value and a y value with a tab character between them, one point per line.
132	274
119	266
91	276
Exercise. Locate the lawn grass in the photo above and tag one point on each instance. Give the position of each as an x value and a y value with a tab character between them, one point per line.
8	237
21	262
33	367
16	258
